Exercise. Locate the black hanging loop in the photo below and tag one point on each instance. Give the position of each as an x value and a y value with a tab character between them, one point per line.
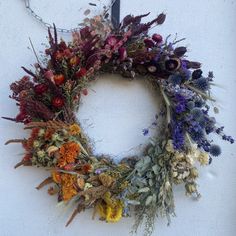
115	14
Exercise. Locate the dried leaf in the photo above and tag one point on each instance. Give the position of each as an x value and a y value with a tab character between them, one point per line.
144	190
148	200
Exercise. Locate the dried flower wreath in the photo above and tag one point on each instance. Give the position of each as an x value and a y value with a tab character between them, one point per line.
49	96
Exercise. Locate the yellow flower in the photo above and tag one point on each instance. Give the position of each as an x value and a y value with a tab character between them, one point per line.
74	129
114	214
110	209
101	208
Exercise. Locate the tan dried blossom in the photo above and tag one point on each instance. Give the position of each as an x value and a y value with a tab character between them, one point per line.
106	180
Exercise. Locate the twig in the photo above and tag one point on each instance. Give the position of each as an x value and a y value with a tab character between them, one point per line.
14	141
166	99
32	46
45	182
200	92
25	163
8	118
75	212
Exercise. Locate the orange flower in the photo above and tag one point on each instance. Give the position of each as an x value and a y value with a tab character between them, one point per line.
68	190
68	152
86	168
59	79
56	177
74	129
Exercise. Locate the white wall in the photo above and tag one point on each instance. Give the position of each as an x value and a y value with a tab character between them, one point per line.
211	35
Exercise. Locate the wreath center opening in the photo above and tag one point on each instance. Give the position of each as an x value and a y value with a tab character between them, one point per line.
119	116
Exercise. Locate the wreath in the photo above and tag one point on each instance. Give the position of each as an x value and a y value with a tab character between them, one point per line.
49	96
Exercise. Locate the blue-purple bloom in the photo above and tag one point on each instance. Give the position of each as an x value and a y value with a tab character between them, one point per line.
180	103
202	84
145	132
177	134
215	150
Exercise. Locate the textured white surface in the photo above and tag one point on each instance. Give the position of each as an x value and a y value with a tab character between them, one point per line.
211	35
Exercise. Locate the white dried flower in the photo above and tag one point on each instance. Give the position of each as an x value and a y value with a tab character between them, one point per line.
191	188
36	144
51	150
169	146
41	132
167	185
40	154
203	158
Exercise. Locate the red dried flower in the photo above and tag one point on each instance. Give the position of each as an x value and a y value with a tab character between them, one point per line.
62	45
81	73
58	56
57	102
148	43
67	53
40	88
20	117
59	79
157	38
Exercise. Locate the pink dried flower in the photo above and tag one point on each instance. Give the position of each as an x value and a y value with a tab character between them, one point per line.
122	53
49	74
111	40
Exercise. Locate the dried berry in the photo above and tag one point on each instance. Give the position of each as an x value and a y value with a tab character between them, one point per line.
57	102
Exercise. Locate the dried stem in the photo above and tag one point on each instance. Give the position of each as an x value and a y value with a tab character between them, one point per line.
15	141
47	181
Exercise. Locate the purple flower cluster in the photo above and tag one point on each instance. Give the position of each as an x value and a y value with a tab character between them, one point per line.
177	134
181	102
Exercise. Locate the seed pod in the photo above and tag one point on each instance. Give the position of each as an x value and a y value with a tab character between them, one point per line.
195	65
180	51
172	64
161	19
192	64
